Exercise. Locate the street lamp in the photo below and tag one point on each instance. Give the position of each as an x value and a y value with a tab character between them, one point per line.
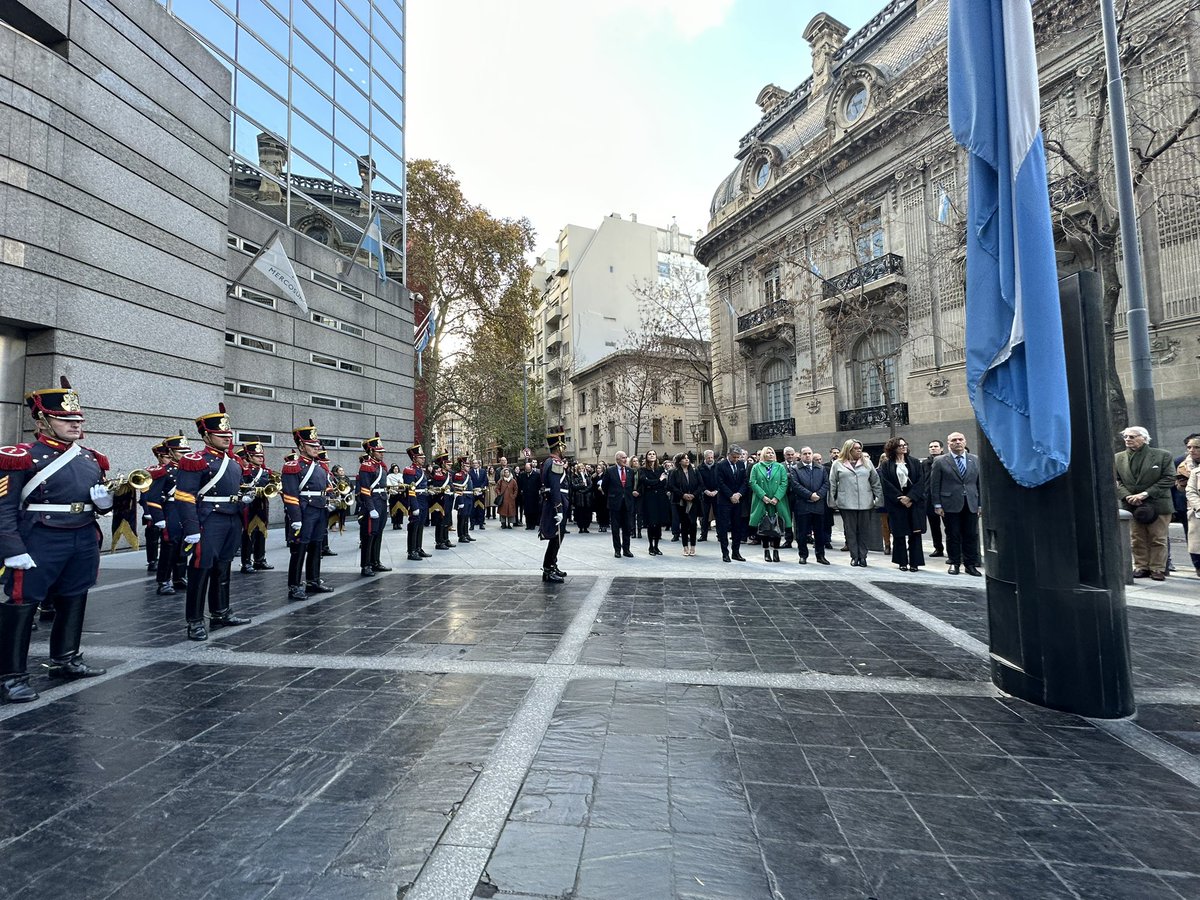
696	430
596	449
525	398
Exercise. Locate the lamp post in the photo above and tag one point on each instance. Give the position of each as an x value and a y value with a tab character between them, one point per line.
525	399
696	431
596	450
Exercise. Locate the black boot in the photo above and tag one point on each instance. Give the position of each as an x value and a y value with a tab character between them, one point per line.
767	553
197	587
296	573
16	622
222	616
366	572
775	554
412	544
314	584
551	576
65	636
46	610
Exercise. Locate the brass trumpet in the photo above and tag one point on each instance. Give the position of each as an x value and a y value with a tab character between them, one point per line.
138	480
268	490
344	487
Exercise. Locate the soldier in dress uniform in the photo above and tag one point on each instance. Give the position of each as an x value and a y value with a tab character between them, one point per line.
210	501
160	503
555	506
372	507
257	513
51	492
460	489
334	498
479	489
153	534
439	501
305	503
417	484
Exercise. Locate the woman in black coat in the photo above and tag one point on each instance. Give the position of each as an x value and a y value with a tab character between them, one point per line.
656	500
686	491
904	503
581	498
600	503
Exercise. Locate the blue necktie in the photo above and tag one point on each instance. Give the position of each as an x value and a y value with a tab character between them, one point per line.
961	462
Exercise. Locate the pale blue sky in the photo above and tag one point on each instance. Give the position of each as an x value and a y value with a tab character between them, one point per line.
565	111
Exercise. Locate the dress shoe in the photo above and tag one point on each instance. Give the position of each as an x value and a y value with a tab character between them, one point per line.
863	562
180	582
1141	573
854	562
247	569
912	568
317	587
551	576
381	568
724	557
367	572
424	555
617	554
1158	576
904	568
328	552
415	556
558	571
152	566
296	592
935	554
226	620
844	549
737	557
17	690
822	560
627	553
675	539
263	566
971	570
73	667
197	632
953	570
165	589
804	560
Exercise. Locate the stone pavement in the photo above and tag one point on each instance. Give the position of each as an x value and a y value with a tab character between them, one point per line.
655	728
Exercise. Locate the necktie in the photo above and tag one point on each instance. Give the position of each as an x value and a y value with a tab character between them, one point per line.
622	471
961	462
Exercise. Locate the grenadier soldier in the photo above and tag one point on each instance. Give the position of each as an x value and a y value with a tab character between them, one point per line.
51	492
555	506
440	500
417	483
305	504
257	513
479	490
372	506
460	490
332	491
153	533
210	500
159	502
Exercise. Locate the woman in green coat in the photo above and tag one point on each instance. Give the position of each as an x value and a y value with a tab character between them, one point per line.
769	490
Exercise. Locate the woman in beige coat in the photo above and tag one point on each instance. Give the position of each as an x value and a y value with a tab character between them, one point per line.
1193	512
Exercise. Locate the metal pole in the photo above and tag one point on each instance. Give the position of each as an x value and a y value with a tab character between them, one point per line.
525	399
1135	287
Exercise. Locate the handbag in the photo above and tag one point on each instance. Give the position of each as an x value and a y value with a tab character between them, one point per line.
768	526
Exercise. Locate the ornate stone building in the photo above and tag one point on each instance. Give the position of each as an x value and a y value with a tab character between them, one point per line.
835	250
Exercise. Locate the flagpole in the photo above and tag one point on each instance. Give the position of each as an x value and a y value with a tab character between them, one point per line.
261	250
1138	317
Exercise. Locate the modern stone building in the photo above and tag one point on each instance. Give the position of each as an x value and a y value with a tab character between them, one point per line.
590	306
838	237
120	243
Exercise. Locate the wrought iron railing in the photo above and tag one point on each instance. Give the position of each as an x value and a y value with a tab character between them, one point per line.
880	267
873	417
777	310
777	428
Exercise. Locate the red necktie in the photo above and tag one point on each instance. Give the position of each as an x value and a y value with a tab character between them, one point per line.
622	471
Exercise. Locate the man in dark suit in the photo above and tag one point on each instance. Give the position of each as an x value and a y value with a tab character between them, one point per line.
935	521
954	490
531	496
808	486
708	501
733	495
617	486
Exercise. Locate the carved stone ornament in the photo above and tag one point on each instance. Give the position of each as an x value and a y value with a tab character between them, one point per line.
813	405
939	386
1164	351
732	418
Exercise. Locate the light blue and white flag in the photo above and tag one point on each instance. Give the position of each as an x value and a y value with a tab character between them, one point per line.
423	338
372	242
943	215
729	306
1016	369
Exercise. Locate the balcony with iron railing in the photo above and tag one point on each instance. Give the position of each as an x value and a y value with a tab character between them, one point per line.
872	274
780	309
873	417
760	431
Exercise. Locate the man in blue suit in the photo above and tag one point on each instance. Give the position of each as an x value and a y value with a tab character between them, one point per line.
617	486
733	495
808	487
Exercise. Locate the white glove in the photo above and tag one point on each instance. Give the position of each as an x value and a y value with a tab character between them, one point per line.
296	526
374	514
160	525
20	561
558	518
192	539
247	498
101	497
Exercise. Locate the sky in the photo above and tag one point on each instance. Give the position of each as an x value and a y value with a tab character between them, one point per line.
564	111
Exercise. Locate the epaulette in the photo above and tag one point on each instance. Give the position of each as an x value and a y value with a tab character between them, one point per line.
367	467
411	470
193	462
157	472
101	459
246	467
15	459
291	467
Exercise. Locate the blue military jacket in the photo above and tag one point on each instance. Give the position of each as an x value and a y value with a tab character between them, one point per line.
418	489
556	496
305	485
372	488
196	500
68	487
159	500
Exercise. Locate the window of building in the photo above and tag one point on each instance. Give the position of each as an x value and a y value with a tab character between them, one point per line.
245	437
664	269
776	391
242	245
335	324
244	293
256	390
612	433
582	436
582	401
352	405
319	359
869	243
595	398
354	293
677	431
318	400
610	391
655	391
875	357
324	321
772	284
258	345
677	391
324	280
353	368
596	436
656	431
704	438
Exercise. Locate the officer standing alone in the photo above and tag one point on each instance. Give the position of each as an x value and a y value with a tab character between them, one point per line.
416	484
555	505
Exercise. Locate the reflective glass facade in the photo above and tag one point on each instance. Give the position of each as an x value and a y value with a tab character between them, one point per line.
317	131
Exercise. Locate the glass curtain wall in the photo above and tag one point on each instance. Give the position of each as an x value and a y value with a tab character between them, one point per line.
317	128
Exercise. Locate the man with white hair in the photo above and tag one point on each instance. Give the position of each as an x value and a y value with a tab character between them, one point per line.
1144	478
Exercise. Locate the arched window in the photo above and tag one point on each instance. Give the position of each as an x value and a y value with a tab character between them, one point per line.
776	390
875	357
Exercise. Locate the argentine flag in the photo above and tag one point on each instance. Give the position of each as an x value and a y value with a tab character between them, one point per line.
372	242
1016	369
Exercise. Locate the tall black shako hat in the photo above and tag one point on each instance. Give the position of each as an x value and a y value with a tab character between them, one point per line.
176	442
556	440
306	434
215	423
441	458
55	403
414	450
374	443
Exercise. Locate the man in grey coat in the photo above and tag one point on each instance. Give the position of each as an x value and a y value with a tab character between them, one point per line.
954	492
808	486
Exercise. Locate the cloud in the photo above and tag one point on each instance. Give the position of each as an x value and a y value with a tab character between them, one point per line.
690	18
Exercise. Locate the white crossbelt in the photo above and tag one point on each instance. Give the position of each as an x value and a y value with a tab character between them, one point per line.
232	499
59	507
312	493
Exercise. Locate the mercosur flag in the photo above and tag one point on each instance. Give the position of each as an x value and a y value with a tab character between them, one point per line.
274	263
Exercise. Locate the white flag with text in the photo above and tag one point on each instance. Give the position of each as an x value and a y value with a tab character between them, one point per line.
274	263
